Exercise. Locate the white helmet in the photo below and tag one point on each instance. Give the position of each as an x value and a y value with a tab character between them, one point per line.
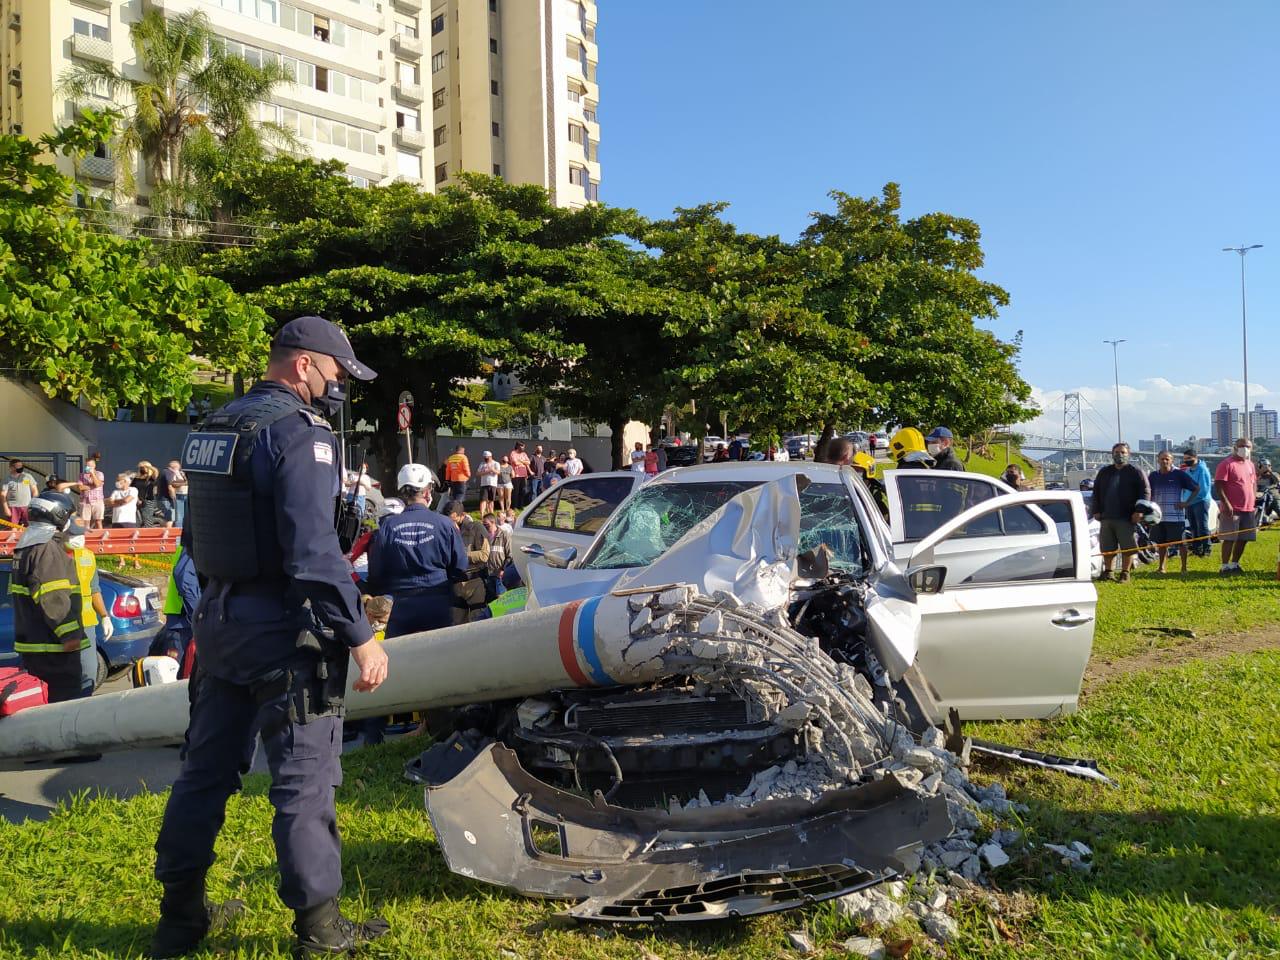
415	475
1151	512
391	507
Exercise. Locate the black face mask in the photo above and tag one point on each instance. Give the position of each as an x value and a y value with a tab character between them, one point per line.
330	400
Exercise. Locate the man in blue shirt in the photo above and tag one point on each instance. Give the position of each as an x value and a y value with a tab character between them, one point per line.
1167	489
1196	508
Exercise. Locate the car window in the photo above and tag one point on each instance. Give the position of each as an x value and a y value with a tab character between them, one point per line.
929	502
584	505
655	518
827	516
541	516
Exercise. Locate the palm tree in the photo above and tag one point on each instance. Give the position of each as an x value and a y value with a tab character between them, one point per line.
193	95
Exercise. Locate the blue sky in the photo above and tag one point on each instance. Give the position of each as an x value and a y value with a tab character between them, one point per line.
1108	151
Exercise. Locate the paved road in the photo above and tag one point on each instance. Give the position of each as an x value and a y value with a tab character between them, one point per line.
33	793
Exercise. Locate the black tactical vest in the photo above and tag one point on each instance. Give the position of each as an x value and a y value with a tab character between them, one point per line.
226	542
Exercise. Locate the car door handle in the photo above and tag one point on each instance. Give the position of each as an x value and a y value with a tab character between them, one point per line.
1071	618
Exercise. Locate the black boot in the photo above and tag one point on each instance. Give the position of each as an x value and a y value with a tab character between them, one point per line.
186	917
324	929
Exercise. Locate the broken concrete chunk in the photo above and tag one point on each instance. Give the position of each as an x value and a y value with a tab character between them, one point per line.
922	759
800	941
933	737
941	927
931	783
993	854
870	906
712	624
643	617
951	859
872	948
675	597
1081	849
666	623
937	900
794	716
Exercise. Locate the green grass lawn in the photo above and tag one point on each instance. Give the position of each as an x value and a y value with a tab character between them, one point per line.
1201	601
1187	845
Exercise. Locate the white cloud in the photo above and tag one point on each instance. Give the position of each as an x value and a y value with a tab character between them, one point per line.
1155	405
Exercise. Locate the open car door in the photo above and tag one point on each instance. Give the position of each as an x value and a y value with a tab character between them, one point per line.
921	501
1009	638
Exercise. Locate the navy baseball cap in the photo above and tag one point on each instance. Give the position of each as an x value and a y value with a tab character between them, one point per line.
939	433
322	336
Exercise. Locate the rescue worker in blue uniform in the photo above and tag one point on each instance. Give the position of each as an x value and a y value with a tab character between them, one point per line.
416	557
277	621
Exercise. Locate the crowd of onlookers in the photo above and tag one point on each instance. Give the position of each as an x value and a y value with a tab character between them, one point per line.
144	497
510	481
1173	506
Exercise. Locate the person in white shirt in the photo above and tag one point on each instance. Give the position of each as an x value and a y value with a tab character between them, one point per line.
637	458
488	471
572	465
124	503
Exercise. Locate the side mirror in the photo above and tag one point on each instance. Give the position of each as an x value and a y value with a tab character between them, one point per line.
927	579
561	557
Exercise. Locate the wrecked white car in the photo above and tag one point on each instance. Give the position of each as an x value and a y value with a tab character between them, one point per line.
1001	591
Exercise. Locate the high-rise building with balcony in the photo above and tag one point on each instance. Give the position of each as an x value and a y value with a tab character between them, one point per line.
416	89
1225	425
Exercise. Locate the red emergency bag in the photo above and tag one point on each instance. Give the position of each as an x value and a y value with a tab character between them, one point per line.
19	690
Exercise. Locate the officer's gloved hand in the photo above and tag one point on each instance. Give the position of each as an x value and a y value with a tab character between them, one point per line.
372	661
108	628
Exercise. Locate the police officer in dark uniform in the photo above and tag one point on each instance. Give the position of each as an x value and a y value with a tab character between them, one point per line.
416	557
277	620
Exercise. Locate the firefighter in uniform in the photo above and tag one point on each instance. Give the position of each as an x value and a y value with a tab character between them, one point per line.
278	617
48	628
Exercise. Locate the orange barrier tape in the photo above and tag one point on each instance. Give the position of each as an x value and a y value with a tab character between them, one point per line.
1176	543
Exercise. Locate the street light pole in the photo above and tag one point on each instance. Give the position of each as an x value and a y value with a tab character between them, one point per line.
1115	361
1244	336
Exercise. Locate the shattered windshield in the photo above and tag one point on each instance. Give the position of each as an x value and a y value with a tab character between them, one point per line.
660	514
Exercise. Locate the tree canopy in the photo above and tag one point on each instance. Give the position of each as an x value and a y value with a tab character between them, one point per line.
88	314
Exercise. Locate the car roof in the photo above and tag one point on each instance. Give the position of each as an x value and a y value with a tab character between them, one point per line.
758	470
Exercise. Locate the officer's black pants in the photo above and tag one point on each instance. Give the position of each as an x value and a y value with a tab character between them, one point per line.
60	671
303	759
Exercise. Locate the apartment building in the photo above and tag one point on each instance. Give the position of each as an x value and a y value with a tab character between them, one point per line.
410	89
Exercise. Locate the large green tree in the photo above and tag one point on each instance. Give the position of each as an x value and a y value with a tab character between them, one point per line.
88	315
909	291
751	344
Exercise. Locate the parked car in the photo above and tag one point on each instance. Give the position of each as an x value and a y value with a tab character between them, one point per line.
134	608
569	514
709	445
685	455
1006	622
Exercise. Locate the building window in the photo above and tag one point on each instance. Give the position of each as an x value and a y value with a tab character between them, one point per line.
98	29
406	29
406	73
578	175
497	169
493	87
493	6
493	45
497	130
437	25
437	61
577	133
407	119
442	172
437	99
440	135
409	165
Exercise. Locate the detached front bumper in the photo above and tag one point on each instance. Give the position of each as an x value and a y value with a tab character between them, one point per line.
495	822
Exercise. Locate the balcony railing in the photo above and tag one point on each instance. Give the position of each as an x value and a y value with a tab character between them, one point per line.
98	168
89	101
407	46
410	139
408	92
408	6
90	48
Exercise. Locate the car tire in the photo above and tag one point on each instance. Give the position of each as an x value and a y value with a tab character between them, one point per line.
101	678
